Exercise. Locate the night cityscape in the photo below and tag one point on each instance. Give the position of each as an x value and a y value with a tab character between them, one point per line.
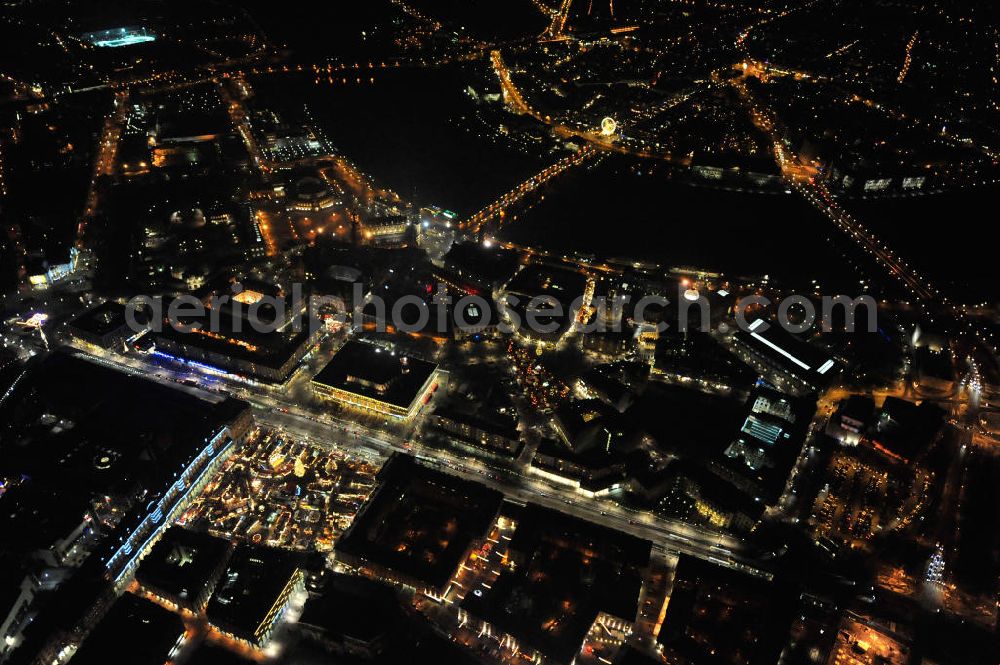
499	332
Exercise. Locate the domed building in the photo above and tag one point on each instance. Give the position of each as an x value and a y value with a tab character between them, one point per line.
311	194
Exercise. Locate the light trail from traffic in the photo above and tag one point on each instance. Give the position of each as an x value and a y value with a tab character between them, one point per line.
817	194
664	532
544	8
238	116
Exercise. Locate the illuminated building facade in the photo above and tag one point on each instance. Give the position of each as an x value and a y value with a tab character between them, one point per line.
119	37
312	195
779	351
15	611
230	342
135	541
45	274
367	377
418	527
253	594
435	216
392	230
182	569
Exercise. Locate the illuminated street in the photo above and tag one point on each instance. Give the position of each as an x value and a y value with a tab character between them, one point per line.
534	332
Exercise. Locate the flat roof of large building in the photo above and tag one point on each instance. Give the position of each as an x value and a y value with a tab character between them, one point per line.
472	260
797	357
106	318
420	522
535	279
719	616
764	449
182	563
135	631
270	349
566	572
248	589
353	607
905	429
371	371
684	420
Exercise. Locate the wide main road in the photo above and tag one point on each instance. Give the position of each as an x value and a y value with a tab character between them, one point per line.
666	534
314	424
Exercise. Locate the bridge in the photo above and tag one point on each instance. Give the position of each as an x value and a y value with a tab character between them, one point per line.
497	209
803	177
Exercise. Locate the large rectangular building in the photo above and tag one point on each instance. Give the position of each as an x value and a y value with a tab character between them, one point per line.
254	593
561	575
791	358
418	526
267	356
105	326
479	433
134	631
183	568
720	616
371	378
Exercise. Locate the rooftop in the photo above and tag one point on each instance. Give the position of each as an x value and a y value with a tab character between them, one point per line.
481	264
101	320
236	339
133	626
592	424
253	581
795	356
353	607
566	571
540	280
372	371
420	522
483	421
693	423
905	429
103	431
182	563
716	615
